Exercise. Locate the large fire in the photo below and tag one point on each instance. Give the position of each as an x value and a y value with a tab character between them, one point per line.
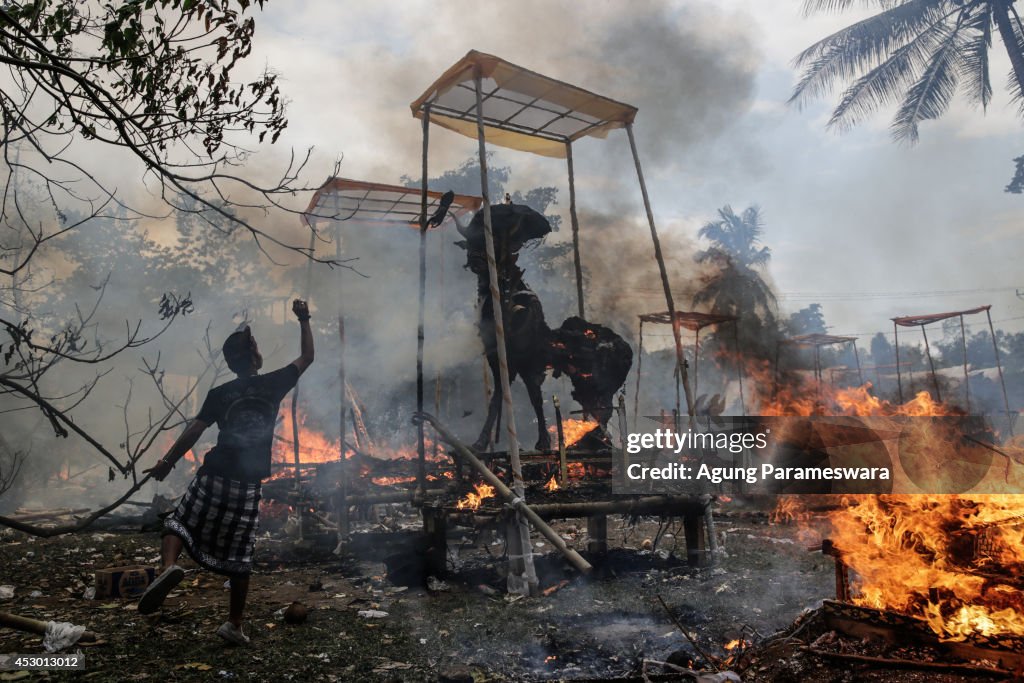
315	447
953	561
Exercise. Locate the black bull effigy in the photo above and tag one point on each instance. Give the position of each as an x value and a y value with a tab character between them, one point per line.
594	358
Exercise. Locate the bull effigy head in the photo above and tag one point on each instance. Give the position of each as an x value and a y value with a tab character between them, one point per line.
512	225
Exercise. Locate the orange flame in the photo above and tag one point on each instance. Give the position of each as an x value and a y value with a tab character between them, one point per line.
573	430
950	560
315	447
735	643
552	484
946	559
389	481
788	509
473	499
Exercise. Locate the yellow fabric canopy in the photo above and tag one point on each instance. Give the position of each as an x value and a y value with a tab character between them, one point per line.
522	109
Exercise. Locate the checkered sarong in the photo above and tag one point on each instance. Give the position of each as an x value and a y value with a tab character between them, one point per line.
217	520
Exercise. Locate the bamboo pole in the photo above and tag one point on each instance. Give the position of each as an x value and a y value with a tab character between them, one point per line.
856	358
36	626
967	381
343	471
342	501
696	362
522	578
511	497
676	332
817	371
931	364
563	474
999	367
295	392
421	453
577	264
639	367
896	343
623	433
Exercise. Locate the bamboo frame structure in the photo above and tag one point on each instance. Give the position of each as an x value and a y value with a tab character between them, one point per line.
695	322
922	321
816	341
538	114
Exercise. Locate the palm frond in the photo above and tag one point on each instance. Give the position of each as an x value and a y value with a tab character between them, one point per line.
1012	82
929	97
760	257
887	82
975	57
813	6
859	48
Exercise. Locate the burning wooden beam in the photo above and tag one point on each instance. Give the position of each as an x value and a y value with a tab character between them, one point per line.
508	495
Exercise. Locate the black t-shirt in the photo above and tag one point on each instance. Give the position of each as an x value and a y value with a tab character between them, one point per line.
245	410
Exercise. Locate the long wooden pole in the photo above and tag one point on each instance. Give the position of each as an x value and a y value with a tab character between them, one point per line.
343	470
512	497
963	347
696	362
931	364
999	367
342	405
522	578
676	332
295	392
36	626
563	473
639	367
896	343
856	358
421	452
577	263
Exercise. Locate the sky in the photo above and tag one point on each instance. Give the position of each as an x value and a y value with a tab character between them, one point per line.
867	227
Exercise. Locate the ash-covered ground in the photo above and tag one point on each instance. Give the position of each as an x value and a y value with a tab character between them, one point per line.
363	626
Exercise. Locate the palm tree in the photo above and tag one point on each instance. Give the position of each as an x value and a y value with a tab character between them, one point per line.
914	52
737	288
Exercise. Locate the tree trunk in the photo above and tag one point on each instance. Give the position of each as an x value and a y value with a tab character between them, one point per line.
1001	12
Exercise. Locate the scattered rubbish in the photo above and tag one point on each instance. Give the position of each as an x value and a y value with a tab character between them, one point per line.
372	614
89	593
437	585
123	582
6	592
61	635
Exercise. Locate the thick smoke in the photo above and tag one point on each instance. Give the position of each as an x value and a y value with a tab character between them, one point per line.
687	75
